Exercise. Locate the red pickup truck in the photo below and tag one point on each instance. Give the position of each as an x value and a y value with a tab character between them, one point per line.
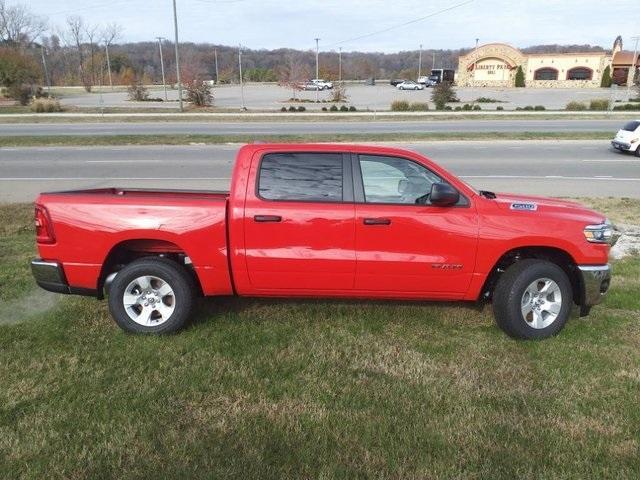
325	221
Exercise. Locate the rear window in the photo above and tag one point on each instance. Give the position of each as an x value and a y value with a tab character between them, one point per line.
631	126
314	177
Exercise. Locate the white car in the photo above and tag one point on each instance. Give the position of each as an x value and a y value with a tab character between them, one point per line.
409	85
427	81
628	138
322	83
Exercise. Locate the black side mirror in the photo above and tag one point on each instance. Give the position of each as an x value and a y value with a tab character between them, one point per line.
443	195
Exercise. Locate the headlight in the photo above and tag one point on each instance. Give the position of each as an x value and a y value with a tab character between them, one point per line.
602	233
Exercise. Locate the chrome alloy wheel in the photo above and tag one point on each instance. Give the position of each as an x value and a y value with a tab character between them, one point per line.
149	301
541	303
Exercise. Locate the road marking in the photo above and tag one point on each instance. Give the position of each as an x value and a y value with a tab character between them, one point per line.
55	179
624	160
122	161
550	177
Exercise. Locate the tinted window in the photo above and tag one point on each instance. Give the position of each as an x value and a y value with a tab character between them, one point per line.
579	73
301	176
545	74
395	180
631	126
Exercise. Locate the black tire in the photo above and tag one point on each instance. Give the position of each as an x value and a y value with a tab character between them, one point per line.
509	292
168	271
638	151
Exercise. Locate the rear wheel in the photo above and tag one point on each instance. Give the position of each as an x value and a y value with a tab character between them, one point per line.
532	299
151	295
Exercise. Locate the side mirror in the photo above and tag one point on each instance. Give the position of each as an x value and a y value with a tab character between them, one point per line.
443	195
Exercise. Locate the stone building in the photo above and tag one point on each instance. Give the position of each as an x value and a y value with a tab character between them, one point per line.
495	65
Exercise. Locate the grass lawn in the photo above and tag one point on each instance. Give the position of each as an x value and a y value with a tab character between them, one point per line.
185	139
314	389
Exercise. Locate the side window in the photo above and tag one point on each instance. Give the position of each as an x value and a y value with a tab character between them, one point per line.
395	180
301	176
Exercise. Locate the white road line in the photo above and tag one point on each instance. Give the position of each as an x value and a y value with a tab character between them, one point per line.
75	179
122	161
608	160
550	177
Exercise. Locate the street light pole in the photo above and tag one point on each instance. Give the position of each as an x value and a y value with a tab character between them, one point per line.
215	55
46	71
475	60
106	47
241	84
420	63
632	69
175	28
317	70
164	83
339	64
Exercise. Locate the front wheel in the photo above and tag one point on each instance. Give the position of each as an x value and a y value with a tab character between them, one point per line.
532	299
151	295
638	151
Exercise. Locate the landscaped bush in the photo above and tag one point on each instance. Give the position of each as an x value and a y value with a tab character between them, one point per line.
599	104
486	100
628	106
400	106
477	107
352	108
419	107
137	92
539	107
519	80
333	108
324	109
199	94
344	108
45	105
448	107
499	108
301	108
606	77
283	109
292	108
528	108
575	106
458	108
442	94
467	107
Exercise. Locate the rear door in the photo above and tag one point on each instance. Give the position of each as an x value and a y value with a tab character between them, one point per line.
299	223
406	248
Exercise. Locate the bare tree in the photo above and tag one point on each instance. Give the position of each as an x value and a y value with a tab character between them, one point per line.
91	31
76	31
292	74
19	25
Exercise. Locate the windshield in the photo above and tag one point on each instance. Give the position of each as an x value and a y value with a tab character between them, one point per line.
631	126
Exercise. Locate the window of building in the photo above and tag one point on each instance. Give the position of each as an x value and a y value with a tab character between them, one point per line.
546	74
312	177
395	180
579	73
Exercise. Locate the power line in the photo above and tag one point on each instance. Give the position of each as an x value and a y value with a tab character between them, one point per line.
388	29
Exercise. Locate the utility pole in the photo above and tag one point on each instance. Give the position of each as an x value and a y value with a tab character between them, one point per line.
106	47
46	71
339	64
175	27
215	55
475	61
164	83
242	107
632	69
420	63
433	60
317	70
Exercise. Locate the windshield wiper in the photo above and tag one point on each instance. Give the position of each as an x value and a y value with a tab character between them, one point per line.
487	194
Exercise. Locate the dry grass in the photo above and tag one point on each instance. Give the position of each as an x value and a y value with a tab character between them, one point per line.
317	389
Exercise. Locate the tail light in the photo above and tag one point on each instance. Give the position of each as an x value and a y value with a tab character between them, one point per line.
44	227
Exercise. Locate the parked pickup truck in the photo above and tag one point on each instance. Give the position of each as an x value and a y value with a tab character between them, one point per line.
325	221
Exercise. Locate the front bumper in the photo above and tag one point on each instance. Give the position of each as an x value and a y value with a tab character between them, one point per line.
621	145
595	283
49	275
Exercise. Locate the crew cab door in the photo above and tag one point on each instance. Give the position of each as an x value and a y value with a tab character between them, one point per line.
299	223
408	249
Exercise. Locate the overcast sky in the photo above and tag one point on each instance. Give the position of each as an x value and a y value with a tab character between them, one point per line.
273	23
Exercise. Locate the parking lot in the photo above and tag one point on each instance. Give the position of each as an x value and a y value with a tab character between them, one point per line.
263	96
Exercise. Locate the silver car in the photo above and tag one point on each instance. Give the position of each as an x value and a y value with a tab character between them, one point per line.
409	85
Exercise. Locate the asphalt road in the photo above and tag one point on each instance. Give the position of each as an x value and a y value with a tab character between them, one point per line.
559	168
302	127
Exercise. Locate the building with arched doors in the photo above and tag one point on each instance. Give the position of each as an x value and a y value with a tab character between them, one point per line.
496	64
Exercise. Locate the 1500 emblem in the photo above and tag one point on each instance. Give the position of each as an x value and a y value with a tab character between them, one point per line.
447	266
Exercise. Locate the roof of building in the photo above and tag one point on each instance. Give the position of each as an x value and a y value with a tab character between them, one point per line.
625	57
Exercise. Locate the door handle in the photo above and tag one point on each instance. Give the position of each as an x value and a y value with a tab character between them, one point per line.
377	221
267	218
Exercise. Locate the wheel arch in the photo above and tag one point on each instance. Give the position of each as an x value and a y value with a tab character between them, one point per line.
558	256
126	251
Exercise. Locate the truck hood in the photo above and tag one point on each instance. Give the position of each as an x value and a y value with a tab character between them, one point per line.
534	205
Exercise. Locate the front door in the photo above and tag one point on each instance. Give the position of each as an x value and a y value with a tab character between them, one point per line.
404	245
299	224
